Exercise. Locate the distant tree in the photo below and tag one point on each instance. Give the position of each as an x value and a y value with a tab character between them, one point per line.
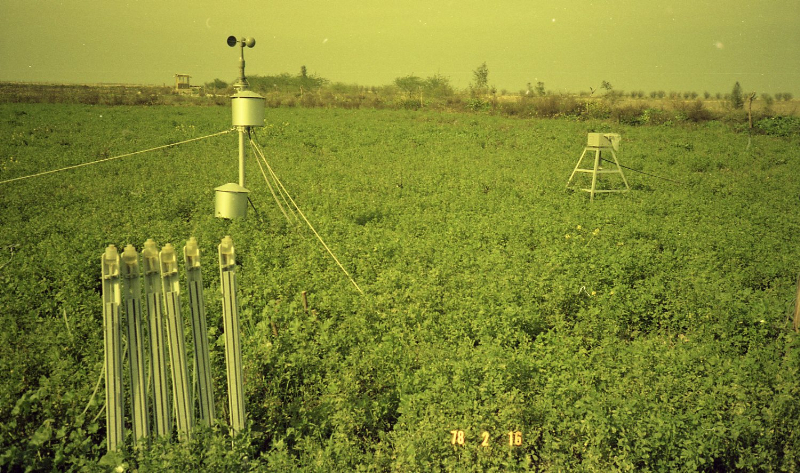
661	94
606	85
707	95
285	83
737	99
718	96
787	96
303	72
409	84
653	94
481	77
767	98
438	85
216	84
540	89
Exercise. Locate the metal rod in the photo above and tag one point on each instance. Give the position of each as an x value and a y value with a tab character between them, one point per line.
619	169
230	316
242	79
162	421
576	167
180	386
131	287
594	174
115	430
241	155
202	364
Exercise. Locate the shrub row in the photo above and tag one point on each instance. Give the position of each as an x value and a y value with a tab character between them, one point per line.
343	96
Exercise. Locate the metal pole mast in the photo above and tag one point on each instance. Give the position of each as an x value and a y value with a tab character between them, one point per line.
241	155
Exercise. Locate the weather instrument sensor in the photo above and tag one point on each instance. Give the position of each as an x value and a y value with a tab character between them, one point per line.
241	82
248	110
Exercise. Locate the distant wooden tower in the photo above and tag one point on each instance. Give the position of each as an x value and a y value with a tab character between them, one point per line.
182	83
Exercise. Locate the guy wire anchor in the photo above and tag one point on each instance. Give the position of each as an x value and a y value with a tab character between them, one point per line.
230	317
112	298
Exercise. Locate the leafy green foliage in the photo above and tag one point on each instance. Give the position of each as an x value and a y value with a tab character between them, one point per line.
480	78
285	82
646	331
737	97
779	126
409	84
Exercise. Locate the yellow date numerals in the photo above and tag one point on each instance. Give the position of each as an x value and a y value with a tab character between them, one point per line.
458	438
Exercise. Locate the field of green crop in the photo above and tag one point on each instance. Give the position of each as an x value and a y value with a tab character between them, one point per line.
647	331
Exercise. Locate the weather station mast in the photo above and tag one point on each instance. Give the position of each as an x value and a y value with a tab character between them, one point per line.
247	111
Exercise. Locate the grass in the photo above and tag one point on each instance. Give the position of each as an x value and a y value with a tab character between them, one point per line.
645	331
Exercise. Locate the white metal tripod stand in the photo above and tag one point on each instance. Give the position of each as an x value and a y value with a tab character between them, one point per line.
598	143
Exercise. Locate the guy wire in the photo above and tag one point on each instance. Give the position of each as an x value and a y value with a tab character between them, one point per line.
275	178
642	172
270	184
271	190
115	157
256	147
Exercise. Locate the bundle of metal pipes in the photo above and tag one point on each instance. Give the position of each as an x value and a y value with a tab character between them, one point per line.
121	278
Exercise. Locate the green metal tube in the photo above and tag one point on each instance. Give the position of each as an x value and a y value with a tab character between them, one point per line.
182	405
230	316
241	156
202	363
133	308
115	430
162	421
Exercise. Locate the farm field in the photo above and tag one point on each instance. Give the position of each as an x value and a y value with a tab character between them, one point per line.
644	331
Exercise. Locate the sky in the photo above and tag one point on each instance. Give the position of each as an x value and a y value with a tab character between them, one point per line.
570	45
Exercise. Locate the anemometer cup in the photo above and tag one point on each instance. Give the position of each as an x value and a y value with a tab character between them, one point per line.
249	42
